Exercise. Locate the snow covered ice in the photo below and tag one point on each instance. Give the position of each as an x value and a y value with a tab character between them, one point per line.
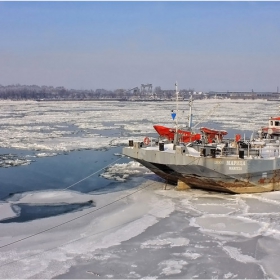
133	228
64	126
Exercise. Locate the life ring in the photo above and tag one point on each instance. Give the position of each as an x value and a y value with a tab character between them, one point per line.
146	141
270	131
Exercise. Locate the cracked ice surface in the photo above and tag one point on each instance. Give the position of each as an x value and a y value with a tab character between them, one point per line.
61	126
152	233
185	239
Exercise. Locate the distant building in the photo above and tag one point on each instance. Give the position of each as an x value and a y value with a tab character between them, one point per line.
243	95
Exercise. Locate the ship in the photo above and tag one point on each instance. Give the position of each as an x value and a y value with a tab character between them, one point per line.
227	165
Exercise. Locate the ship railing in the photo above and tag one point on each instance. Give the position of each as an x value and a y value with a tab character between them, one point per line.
228	147
252	149
270	151
148	142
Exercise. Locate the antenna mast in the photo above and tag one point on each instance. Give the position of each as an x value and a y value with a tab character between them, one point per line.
177	106
190	116
177	109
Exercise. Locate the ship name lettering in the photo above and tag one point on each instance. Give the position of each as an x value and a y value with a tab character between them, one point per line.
235	162
235	168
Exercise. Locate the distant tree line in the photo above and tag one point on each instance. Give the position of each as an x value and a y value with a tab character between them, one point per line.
35	92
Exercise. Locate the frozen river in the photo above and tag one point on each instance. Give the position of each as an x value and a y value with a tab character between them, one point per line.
72	207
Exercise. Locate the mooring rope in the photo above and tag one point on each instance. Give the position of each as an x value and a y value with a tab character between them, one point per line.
90	175
76	218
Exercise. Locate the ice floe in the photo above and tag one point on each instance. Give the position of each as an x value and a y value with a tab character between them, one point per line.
46	154
122	171
170	242
49	196
188	254
229	225
10	160
172	267
236	254
60	126
40	204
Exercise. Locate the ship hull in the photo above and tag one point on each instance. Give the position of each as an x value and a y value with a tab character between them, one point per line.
231	175
214	181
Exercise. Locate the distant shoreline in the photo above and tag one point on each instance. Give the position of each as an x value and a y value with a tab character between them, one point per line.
106	99
135	100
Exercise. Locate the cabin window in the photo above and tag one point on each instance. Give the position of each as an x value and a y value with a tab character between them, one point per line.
277	123
271	122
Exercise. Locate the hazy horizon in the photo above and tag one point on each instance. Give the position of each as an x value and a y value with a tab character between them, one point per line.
218	46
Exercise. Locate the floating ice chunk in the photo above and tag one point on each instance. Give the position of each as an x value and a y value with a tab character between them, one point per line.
118	154
102	257
51	196
267	206
236	254
121	171
190	255
229	275
228	225
170	242
46	154
10	160
171	267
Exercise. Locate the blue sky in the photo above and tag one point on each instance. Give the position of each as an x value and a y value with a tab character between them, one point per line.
89	45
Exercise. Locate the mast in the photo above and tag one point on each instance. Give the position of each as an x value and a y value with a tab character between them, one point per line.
177	105
190	116
177	108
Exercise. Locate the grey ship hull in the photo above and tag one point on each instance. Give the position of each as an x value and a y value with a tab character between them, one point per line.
223	173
